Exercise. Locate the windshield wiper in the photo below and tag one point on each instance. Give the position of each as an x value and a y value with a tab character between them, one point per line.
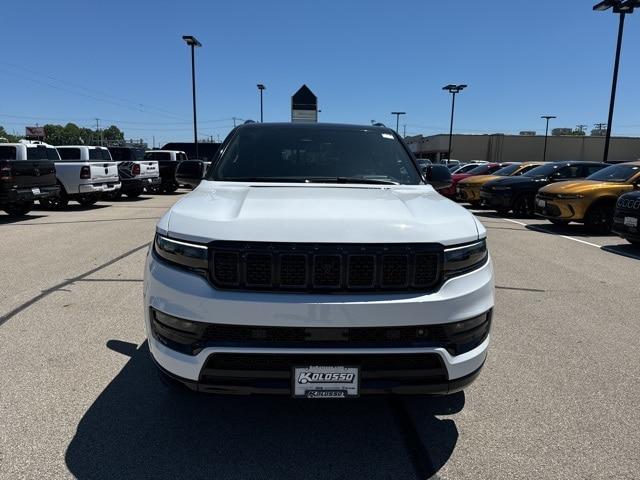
264	179
374	181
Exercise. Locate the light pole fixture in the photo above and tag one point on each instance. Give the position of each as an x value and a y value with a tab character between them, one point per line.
453	90
621	7
261	87
397	114
193	43
546	135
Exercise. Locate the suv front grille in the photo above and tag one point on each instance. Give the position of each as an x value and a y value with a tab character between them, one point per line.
325	267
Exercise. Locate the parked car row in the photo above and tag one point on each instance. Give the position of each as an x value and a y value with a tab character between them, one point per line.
33	170
603	197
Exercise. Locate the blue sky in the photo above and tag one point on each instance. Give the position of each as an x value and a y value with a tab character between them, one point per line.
125	63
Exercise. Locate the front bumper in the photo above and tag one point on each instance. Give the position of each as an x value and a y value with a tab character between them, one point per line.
189	296
468	194
561	209
104	187
497	199
626	231
29	194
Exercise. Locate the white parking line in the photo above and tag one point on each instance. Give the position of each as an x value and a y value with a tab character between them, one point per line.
542	229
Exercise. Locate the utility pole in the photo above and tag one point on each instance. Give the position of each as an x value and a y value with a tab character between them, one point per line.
404	131
599	126
581	127
453	90
397	114
154	141
546	135
234	121
98	130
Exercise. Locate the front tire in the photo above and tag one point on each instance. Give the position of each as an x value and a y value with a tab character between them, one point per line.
19	209
523	206
599	218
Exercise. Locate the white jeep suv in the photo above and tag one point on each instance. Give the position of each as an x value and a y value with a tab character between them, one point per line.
315	260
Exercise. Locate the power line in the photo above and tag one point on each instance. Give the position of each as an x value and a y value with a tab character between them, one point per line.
93	97
76	85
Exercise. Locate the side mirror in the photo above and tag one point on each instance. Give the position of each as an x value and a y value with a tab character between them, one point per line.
190	172
438	176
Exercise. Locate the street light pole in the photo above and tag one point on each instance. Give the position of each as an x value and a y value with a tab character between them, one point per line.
261	87
621	7
193	42
453	90
546	135
397	114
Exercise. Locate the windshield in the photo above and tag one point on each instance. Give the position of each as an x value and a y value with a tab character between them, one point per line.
615	173
543	170
483	169
508	170
315	153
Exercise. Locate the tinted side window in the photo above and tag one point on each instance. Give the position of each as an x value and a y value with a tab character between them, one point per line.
95	154
52	154
570	171
8	153
120	154
106	155
591	169
163	156
150	156
37	153
69	153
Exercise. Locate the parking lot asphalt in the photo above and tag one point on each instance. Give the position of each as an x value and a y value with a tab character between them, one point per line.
558	397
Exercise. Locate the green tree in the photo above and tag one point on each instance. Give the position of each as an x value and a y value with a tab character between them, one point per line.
10	138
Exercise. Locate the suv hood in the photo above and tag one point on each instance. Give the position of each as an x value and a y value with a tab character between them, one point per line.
581	186
319	213
479	179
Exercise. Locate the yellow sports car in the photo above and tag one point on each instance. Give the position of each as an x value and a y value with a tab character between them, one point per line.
468	190
590	201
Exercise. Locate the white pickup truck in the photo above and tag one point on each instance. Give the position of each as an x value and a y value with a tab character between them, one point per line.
135	172
84	173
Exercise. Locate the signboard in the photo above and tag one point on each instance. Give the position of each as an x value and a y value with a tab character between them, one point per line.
34	132
304	106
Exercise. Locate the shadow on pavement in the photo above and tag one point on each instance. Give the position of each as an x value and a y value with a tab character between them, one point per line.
8	219
627	250
137	428
572	230
72	207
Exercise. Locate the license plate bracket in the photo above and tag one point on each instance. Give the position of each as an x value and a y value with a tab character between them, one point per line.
541	203
35	191
630	221
323	381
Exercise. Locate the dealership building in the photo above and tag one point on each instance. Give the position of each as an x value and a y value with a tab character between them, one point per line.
523	148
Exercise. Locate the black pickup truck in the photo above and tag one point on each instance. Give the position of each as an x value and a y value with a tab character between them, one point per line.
27	173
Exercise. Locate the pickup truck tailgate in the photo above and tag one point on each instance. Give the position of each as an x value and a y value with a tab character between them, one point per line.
104	171
28	173
149	169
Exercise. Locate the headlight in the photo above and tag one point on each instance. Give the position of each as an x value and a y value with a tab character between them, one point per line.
189	255
568	196
459	260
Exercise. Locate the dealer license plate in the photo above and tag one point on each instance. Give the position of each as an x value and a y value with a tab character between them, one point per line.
541	203
35	191
326	382
631	221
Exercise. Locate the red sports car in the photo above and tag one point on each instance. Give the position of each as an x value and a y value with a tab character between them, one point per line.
484	169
